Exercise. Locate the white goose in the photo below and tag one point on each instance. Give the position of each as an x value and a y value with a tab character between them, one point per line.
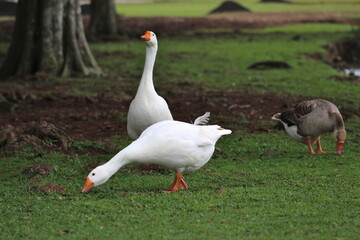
176	145
147	107
309	119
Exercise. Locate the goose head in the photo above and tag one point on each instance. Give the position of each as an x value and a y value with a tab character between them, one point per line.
96	177
149	38
340	136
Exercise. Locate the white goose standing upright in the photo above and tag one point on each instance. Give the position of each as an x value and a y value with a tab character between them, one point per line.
147	107
309	119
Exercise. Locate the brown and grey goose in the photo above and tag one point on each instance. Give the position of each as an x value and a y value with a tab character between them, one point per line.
309	119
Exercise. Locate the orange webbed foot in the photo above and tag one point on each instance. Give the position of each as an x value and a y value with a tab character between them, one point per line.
178	184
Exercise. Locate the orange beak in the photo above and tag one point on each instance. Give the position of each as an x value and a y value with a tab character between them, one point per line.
146	36
88	185
339	147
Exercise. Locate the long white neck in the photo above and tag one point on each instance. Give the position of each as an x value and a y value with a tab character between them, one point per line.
147	76
116	162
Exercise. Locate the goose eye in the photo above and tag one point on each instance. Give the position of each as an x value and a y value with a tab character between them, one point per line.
153	34
93	174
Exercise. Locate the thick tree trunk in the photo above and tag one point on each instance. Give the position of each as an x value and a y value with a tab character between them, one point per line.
103	18
49	37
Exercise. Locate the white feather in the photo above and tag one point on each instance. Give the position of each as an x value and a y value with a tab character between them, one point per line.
202	120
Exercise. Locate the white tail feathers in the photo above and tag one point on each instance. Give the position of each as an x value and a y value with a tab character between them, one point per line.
202	120
224	131
276	117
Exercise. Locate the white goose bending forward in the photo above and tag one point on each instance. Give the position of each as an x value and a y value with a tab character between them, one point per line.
180	146
309	119
147	107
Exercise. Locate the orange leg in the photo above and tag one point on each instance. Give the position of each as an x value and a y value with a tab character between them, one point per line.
319	149
178	184
311	150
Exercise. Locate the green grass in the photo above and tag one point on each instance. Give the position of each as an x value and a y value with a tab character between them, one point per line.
307	28
288	194
229	54
199	8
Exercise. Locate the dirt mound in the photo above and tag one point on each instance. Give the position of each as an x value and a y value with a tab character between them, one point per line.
33	134
266	65
38	169
229	6
344	53
52	187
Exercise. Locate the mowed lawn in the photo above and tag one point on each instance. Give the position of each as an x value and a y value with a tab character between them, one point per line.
256	186
199	8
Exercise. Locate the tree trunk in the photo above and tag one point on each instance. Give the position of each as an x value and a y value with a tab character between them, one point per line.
103	18
49	37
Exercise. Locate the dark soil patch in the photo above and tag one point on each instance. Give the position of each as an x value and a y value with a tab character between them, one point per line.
135	26
344	53
58	117
52	187
38	169
236	110
33	134
72	114
230	6
265	65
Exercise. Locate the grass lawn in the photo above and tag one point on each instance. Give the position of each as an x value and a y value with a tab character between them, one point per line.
197	8
240	194
228	55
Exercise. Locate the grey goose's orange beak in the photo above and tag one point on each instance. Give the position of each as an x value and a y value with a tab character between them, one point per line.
339	146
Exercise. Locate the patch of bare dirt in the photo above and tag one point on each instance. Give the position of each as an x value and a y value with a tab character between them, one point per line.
52	187
265	65
58	117
33	134
38	169
237	110
344	52
235	21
